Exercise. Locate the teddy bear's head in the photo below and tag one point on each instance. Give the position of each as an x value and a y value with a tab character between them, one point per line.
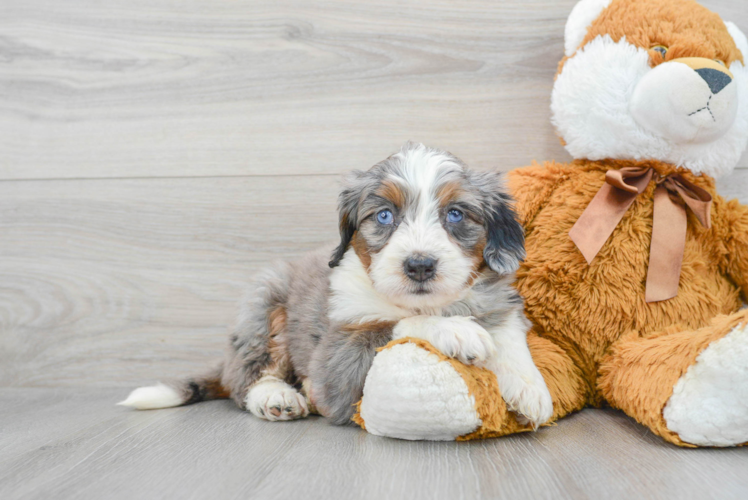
653	79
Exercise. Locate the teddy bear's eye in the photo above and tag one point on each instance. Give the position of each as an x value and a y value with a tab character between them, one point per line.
660	49
720	61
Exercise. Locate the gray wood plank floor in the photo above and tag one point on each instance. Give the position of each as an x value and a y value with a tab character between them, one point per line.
73	443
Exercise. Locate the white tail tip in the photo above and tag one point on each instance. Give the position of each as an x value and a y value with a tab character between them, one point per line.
152	397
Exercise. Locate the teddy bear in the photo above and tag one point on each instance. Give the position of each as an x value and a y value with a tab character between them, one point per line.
636	269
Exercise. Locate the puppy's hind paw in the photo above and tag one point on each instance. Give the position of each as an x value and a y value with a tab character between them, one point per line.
275	400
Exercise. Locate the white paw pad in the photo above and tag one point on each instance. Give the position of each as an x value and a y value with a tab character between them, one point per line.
709	405
413	394
275	400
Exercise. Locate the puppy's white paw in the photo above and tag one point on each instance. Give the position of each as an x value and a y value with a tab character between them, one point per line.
457	336
527	396
275	400
465	340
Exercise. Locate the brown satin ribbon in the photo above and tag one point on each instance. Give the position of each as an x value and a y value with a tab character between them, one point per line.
669	223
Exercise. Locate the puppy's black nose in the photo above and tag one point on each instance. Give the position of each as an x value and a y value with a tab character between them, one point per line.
420	268
716	80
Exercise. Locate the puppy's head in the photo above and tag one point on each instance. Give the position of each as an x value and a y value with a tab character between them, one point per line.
424	226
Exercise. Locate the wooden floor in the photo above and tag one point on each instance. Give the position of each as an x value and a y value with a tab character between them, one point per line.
154	154
72	443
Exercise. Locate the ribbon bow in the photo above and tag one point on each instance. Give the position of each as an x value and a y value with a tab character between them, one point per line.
669	223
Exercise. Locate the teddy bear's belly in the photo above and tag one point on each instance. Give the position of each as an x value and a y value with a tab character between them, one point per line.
585	308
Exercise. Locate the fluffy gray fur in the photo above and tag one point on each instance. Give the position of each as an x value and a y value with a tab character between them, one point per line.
331	359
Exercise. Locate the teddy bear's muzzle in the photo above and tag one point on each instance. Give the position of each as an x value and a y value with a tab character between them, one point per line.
686	100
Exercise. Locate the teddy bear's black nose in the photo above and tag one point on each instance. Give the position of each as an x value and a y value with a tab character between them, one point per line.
716	80
420	268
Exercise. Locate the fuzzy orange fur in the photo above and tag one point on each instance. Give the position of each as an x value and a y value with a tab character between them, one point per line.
588	311
632	353
686	28
595	338
639	373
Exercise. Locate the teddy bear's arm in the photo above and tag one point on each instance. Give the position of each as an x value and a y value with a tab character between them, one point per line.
499	346
733	219
532	186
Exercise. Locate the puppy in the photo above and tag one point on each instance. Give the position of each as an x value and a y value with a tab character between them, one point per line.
428	249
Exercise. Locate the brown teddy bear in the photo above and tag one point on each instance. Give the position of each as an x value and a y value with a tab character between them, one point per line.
636	270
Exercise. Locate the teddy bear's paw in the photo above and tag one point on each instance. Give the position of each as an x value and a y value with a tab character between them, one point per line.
412	394
275	400
526	395
458	337
709	405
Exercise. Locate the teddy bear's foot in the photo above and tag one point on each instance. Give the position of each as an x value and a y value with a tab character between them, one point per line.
410	393
709	405
689	386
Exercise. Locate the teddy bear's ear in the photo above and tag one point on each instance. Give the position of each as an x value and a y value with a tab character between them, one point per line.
582	15
740	40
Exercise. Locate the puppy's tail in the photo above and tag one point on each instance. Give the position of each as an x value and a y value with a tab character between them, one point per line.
178	393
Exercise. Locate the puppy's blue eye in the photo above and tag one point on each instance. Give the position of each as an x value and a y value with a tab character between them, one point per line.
385	217
454	216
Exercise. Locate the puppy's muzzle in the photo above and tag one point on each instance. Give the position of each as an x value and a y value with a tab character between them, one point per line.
420	268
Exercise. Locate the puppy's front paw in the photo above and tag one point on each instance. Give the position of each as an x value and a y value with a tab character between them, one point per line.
528	397
464	339
457	336
274	400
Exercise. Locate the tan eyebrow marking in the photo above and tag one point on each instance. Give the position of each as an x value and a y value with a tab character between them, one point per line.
449	192
394	192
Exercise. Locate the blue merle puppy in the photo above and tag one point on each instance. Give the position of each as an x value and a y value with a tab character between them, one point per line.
428	249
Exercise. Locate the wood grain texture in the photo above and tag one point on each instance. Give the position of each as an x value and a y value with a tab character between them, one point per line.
140	88
72	443
106	280
154	154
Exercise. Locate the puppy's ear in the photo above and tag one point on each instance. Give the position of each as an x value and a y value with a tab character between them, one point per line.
348	202
505	237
